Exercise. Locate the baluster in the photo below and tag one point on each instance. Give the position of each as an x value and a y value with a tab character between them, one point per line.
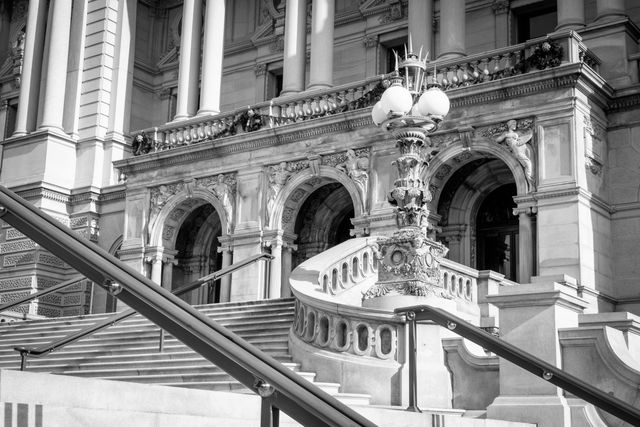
485	68
445	81
496	67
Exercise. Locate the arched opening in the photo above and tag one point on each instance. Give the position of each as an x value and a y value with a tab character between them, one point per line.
497	233
323	221
475	201
197	253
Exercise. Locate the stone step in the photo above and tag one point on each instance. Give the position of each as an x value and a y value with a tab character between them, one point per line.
143	325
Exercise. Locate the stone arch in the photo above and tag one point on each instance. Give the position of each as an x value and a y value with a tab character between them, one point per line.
165	226
483	148
301	185
461	179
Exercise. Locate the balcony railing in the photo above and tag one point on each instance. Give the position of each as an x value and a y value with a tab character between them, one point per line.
537	54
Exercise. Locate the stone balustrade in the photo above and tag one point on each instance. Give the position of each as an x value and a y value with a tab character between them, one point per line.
536	54
349	271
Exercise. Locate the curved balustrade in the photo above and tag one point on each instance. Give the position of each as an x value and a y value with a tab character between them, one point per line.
346	333
352	269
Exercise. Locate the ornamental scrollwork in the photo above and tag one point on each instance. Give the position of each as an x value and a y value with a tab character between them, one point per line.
224	188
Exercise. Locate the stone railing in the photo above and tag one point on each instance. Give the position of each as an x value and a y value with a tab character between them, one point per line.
459	282
352	269
536	54
349	333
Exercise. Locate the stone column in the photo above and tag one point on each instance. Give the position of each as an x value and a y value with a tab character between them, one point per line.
530	316
188	69
156	268
31	67
167	269
225	282
4	106
421	25
570	15
212	56
57	55
322	22
275	279
286	262
295	47
609	9
452	29
525	248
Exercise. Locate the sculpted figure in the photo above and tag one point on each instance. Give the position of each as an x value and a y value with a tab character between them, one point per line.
357	169
517	143
278	176
224	193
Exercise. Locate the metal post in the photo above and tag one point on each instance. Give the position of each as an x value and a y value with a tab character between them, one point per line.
161	341
269	414
23	359
413	380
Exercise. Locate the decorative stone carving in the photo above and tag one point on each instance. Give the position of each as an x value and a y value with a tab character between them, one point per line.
395	12
224	188
517	142
500	6
17	56
594	146
409	266
161	194
357	167
260	69
278	176
370	41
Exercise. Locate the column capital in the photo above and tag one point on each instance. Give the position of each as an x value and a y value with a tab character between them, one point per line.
500	6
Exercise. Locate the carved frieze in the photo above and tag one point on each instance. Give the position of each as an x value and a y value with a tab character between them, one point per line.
594	145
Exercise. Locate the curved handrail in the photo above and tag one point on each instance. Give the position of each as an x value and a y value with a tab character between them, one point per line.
54	288
279	387
96	327
519	357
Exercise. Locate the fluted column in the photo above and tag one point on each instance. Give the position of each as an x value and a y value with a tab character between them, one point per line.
570	14
188	69
452	29
212	56
286	263
609	9
421	25
322	21
295	46
31	67
56	70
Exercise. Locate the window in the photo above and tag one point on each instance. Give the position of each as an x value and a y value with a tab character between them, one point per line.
274	82
10	120
536	20
387	57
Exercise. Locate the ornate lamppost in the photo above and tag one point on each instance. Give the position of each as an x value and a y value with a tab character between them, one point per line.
410	109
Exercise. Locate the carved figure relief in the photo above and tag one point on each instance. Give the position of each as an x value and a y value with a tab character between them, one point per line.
517	142
357	167
278	177
224	188
160	195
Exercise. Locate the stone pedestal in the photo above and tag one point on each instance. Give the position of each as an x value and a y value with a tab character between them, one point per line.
530	316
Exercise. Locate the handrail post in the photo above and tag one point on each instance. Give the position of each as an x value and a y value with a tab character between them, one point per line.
161	341
269	414
23	357
413	370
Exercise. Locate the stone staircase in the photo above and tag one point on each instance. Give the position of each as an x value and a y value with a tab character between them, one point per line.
128	351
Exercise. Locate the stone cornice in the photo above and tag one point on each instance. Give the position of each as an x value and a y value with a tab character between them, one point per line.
624	102
97	196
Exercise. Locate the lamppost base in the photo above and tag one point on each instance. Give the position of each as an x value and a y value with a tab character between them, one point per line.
408	265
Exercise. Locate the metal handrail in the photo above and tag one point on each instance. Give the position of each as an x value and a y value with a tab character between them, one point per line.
96	327
279	387
54	288
513	354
